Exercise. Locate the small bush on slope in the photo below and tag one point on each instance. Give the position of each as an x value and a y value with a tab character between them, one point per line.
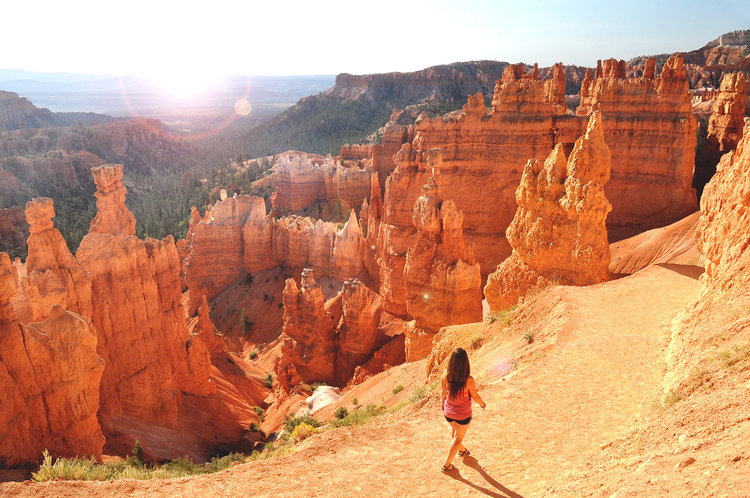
89	470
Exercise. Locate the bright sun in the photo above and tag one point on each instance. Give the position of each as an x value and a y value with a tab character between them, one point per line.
183	85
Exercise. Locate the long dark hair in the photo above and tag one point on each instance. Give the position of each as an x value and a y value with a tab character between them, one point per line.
458	372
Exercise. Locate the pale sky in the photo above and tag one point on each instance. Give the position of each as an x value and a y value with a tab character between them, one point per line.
328	37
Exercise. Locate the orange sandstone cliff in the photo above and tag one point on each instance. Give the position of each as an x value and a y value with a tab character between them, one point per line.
648	126
724	127
49	379
156	386
442	281
558	233
53	275
717	325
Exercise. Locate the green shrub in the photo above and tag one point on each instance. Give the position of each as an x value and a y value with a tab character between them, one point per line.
341	412
529	336
291	423
75	469
398	389
269	381
253	354
671	398
505	316
89	470
359	416
261	412
421	392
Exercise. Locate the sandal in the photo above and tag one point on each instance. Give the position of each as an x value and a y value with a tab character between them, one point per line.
464	453
449	468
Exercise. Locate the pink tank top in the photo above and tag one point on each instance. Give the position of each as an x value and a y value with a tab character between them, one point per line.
458	408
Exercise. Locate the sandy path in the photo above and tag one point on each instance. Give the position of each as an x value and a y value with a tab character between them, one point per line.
595	383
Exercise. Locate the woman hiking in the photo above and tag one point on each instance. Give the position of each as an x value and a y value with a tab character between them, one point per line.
458	389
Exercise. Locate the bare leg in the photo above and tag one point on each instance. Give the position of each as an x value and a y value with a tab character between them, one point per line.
461	446
459	431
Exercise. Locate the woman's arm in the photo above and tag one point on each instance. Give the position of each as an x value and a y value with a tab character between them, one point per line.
473	391
444	388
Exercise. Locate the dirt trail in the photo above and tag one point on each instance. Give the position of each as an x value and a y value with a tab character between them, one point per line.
597	379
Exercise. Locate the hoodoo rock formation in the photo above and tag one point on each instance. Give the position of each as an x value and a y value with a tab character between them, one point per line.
306	181
236	238
326	341
724	127
650	130
49	379
648	126
53	275
443	283
112	217
558	233
309	338
136	307
726	122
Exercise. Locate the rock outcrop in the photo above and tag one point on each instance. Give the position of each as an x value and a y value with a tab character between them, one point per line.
443	283
558	233
358	334
650	130
718	321
311	181
53	275
49	377
648	127
112	216
309	338
325	341
150	392
236	238
724	127
726	122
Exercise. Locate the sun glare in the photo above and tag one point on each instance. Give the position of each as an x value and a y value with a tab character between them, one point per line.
183	85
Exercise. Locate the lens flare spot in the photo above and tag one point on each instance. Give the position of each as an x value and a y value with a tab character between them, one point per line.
242	107
503	367
425	296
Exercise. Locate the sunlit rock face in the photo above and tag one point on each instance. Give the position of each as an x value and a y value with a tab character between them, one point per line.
309	337
137	308
558	233
717	322
49	379
236	238
325	341
648	126
53	275
724	126
443	281
727	121
308	180
112	216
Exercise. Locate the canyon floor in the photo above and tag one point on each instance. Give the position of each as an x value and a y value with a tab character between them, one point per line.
575	412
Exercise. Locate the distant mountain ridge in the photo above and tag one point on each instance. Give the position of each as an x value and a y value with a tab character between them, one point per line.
17	113
707	65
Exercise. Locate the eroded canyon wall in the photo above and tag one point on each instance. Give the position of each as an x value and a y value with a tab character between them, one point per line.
649	128
49	379
558	233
